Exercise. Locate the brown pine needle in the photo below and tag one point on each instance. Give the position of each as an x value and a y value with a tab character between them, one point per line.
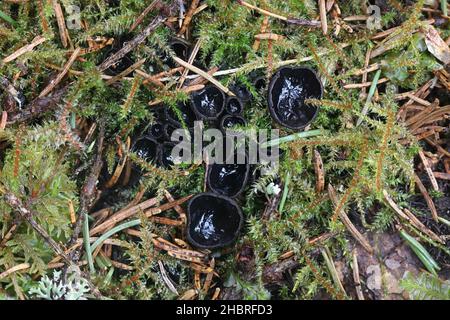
63	33
29	47
61	75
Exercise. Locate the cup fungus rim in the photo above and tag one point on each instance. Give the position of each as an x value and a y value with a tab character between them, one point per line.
274	78
189	221
244	183
225	117
241	103
200	115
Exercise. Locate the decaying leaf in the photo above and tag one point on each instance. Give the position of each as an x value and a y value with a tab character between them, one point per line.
437	47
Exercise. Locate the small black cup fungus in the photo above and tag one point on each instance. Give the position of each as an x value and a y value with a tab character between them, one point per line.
230	121
156	131
229	179
234	106
184	111
288	90
260	83
214	221
146	148
208	103
166	159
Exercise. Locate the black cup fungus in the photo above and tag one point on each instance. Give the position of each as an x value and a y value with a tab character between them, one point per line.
228	179
146	148
231	121
184	110
260	83
156	131
242	92
166	159
234	106
208	103
288	90
214	221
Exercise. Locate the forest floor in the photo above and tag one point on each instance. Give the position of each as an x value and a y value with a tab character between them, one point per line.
93	207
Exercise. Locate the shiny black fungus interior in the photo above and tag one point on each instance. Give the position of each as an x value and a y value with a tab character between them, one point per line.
229	179
157	130
234	106
166	155
208	103
229	122
213	221
146	148
183	112
288	90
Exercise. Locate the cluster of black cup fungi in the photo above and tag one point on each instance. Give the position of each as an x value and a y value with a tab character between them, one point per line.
214	217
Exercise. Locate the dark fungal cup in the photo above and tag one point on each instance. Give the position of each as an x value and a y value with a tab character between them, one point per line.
231	121
146	148
168	130
166	159
241	91
228	179
288	90
214	221
156	131
183	113
208	103
234	106
181	48
260	83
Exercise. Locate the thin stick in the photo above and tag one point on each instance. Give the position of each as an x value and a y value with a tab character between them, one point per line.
356	277
191	60
61	75
428	170
16	268
263	29
128	46
17	205
364	84
143	14
348	224
126	72
427	197
63	33
262	11
323	16
188	17
204	75
29	47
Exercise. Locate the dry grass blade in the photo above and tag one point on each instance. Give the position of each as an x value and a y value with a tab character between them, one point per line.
19	267
166	278
143	14
356	277
320	173
323	16
29	47
204	75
